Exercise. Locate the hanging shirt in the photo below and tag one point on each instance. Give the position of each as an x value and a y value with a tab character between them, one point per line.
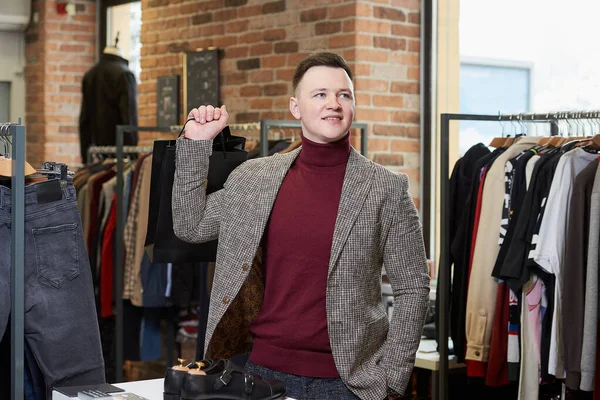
550	250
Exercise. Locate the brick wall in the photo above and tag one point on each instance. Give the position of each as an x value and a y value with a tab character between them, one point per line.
59	50
263	41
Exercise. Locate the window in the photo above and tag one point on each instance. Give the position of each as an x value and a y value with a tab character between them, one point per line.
489	87
124	18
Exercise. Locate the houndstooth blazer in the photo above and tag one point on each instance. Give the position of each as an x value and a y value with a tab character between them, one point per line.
377	224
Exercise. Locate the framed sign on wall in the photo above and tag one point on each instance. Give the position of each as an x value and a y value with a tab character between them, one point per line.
201	78
167	100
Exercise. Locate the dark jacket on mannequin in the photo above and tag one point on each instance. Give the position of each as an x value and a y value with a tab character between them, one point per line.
109	92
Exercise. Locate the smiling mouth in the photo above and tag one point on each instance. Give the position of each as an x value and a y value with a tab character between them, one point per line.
332	118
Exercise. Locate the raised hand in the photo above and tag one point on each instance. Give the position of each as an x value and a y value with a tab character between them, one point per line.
207	122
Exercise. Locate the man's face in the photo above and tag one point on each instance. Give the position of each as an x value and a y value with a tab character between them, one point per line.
324	104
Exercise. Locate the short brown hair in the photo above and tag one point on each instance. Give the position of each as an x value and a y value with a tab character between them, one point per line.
323	59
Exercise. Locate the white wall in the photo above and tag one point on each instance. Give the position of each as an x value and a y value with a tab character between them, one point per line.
559	37
12	53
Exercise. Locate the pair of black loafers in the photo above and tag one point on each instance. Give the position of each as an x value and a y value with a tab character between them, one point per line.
218	380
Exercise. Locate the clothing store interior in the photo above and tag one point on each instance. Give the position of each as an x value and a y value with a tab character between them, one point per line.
492	110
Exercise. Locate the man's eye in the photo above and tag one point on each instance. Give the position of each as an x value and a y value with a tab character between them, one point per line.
320	95
346	95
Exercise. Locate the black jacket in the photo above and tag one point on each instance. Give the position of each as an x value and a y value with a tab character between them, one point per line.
109	99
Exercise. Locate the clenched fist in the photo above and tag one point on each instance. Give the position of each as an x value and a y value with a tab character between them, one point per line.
207	122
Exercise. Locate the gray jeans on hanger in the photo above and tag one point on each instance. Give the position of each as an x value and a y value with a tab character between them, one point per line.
61	324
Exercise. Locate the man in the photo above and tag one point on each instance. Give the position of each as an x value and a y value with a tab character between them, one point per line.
325	220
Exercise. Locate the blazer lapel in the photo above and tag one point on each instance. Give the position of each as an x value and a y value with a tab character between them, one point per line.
355	189
271	178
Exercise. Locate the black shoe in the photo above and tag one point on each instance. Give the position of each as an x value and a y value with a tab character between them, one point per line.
231	383
176	375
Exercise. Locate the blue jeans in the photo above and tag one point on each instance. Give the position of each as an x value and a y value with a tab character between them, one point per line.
61	324
303	387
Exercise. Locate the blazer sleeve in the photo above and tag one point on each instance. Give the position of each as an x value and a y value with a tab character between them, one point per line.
406	267
196	216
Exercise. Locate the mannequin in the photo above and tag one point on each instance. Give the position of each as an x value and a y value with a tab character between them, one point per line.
115	51
109	99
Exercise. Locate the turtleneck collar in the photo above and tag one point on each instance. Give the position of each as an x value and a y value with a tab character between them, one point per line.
325	154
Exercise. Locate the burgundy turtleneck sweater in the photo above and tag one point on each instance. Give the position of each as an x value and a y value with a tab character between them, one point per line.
290	332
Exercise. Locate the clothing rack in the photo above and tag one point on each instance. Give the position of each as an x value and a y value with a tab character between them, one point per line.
17	252
443	288
120	150
265	125
109	150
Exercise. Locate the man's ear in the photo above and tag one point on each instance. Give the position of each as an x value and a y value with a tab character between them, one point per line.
294	108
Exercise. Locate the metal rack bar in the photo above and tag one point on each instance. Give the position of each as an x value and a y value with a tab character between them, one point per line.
17	252
443	287
120	232
266	124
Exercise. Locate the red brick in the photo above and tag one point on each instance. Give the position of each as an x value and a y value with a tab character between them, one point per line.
367	26
389	159
225	41
225	15
250	11
235	78
294	59
261	104
235	52
406	117
273	61
364	10
410	4
247	117
274	35
370	85
393	14
362	99
207	30
235	3
342	11
388	101
406	146
251	37
261	49
405	87
315	14
236	26
378	144
202	19
413	31
327	28
250	91
397	130
389	43
401	58
261	76
286	47
372	55
273	7
346	40
276	89
414	73
414	18
371	114
414	46
286	74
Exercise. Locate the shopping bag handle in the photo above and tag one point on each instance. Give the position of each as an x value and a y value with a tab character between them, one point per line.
221	135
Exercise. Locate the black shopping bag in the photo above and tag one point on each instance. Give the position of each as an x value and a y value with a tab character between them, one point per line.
227	155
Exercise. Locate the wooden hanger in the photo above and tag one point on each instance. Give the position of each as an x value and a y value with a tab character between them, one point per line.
5	162
6	167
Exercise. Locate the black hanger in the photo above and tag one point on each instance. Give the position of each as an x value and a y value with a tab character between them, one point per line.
52	189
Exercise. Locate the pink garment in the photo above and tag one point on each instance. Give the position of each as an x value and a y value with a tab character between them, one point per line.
534	300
